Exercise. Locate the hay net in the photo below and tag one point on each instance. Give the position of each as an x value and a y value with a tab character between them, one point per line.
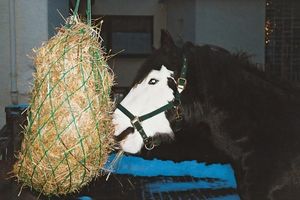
69	131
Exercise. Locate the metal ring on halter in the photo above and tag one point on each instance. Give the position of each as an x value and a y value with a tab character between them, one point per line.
151	146
181	84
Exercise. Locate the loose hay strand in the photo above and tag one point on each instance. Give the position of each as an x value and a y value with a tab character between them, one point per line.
69	131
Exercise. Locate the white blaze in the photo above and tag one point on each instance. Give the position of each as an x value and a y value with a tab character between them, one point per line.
142	99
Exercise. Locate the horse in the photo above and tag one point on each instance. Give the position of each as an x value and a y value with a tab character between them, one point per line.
207	104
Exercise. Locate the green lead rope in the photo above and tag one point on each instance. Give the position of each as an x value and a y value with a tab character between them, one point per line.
136	121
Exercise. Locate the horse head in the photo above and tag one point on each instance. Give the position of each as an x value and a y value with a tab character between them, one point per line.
153	95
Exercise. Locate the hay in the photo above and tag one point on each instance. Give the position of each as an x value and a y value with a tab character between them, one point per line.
69	131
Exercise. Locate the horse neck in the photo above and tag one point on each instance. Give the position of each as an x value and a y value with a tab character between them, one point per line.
211	81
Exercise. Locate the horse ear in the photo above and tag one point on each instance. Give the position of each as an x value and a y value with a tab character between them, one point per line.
166	41
189	48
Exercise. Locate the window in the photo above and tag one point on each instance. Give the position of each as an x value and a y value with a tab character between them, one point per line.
130	36
283	44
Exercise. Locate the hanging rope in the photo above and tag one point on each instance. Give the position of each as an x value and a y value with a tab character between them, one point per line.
88	10
76	7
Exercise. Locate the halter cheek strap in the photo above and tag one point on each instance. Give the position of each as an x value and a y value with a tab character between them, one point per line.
136	120
181	81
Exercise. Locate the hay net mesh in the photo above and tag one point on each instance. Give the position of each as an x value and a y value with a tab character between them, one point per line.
69	131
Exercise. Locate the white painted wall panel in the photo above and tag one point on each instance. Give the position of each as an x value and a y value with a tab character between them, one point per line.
232	24
4	59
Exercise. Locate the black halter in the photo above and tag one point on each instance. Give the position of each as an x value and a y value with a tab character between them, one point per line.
136	120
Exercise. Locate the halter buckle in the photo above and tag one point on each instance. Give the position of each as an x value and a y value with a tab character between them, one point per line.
136	124
181	84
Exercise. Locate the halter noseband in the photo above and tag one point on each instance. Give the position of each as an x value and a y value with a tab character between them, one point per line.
136	120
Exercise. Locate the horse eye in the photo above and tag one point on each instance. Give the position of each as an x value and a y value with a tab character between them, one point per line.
152	81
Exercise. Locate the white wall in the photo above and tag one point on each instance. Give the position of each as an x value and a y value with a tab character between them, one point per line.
4	59
56	9
126	68
181	17
31	29
232	24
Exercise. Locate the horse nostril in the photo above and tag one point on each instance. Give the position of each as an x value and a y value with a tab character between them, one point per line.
124	134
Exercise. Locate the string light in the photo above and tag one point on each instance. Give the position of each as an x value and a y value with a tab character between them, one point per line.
268	31
269	26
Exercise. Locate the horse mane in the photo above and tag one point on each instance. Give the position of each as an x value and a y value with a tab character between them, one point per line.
222	75
218	78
